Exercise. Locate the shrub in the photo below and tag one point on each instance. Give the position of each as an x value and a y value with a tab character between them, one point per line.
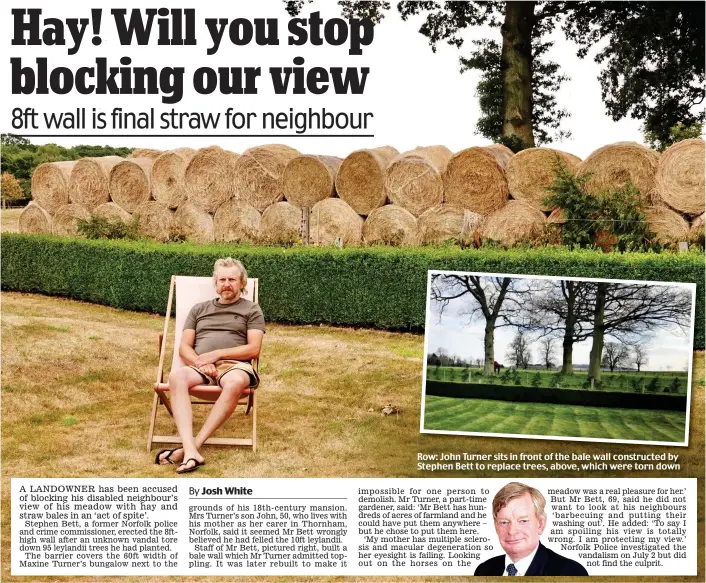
536	379
380	287
10	188
102	228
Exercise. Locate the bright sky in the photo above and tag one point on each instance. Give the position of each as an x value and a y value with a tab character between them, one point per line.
417	97
668	349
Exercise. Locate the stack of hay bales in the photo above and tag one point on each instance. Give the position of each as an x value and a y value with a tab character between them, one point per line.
428	195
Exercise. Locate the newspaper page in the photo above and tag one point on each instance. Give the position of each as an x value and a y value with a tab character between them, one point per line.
344	290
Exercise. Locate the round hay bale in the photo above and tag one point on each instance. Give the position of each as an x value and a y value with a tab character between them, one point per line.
332	218
238	222
90	181
361	178
34	219
512	223
155	220
475	180
210	177
194	224
130	183
697	226
281	224
556	217
531	171
447	223
680	176
112	212
501	153
309	179
145	153
612	166
51	183
667	225
391	225
413	179
168	183
258	174
65	221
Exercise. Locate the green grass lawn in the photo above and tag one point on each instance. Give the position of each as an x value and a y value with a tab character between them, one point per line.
674	382
487	416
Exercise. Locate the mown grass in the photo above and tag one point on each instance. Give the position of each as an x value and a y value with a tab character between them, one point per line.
11	219
488	416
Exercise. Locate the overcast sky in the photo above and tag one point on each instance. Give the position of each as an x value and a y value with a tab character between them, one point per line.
668	349
417	97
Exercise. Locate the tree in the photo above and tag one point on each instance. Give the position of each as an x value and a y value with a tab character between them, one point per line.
614	355
487	296
11	189
519	352
562	308
677	133
653	60
546	346
627	312
639	355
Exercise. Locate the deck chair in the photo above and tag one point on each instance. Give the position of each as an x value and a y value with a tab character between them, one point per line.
190	291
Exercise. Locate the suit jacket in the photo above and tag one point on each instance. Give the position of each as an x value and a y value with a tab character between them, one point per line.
545	563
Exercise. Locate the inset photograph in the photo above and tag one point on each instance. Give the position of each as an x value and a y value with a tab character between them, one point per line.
558	358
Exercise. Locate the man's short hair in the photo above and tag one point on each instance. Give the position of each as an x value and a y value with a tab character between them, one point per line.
230	262
516	490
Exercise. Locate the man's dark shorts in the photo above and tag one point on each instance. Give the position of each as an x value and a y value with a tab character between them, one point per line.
225	366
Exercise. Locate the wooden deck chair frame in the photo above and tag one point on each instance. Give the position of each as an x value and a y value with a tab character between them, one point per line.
189	291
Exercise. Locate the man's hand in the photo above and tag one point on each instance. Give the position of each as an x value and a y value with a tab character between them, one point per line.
209	370
207	358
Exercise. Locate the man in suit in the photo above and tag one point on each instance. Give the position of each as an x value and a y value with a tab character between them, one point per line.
519	516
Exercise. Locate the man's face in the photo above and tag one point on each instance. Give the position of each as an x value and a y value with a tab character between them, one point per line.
228	285
518	527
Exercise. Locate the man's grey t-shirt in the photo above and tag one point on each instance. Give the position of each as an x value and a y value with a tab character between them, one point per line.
221	326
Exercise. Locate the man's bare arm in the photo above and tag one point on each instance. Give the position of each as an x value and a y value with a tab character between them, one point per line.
247	352
186	347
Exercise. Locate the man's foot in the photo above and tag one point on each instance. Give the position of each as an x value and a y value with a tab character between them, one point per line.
190	465
164	457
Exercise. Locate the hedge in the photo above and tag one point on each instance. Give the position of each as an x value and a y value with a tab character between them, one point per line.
382	287
521	394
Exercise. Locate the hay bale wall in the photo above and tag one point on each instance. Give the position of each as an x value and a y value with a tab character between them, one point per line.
474	180
680	176
531	171
145	153
34	219
237	222
310	179
194	224
512	223
168	176
333	218
259	172
281	224
209	178
51	184
612	166
413	179
391	225
90	181
361	178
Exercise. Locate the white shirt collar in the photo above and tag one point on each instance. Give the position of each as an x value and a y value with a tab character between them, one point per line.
522	565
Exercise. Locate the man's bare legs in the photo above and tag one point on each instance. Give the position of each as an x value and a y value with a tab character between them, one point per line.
233	383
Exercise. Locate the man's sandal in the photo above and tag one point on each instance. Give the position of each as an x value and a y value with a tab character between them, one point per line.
168	458
193	468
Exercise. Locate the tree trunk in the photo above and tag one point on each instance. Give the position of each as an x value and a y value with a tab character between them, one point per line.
567	366
489	347
594	366
516	64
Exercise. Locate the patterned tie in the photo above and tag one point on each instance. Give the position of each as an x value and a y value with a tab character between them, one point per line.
511	570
